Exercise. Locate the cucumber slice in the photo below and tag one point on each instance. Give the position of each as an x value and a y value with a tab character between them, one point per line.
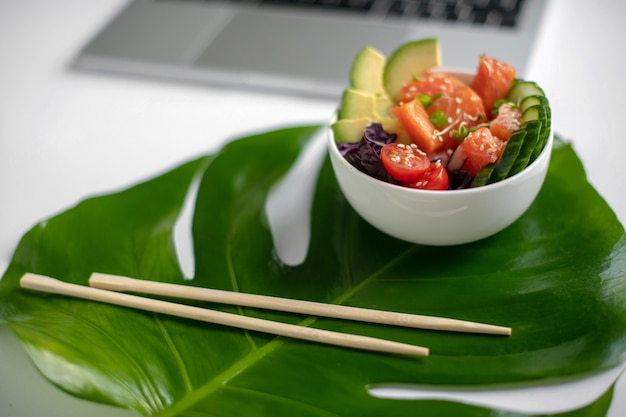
511	151
410	59
533	113
522	89
533	133
482	177
542	114
367	69
538	112
530	101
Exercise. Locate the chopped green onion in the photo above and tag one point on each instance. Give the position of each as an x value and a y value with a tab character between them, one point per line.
425	99
438	118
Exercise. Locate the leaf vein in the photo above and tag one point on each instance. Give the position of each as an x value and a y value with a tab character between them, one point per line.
175	353
319	411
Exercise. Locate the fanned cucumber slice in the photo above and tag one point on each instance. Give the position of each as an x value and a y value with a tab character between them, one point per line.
522	89
526	143
546	132
482	177
533	131
534	113
410	59
542	114
530	101
511	151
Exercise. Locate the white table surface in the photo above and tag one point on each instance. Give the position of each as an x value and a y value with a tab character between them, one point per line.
66	135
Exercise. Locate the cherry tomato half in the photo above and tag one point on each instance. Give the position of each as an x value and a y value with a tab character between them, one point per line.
405	163
435	178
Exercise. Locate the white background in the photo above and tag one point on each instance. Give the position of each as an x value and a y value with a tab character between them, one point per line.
66	135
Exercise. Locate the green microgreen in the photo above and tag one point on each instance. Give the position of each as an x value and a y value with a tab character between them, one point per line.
461	133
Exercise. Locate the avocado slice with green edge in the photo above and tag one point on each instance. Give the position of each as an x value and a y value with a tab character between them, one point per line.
407	61
384	106
366	73
356	104
349	130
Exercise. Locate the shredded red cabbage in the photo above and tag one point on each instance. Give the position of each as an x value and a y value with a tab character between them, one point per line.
459	179
365	154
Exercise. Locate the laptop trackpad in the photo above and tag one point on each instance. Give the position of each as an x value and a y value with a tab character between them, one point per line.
295	46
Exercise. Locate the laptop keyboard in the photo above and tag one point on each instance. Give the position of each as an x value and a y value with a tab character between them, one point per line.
495	13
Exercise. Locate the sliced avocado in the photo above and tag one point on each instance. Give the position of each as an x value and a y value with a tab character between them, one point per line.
349	130
383	107
366	73
410	59
394	126
357	104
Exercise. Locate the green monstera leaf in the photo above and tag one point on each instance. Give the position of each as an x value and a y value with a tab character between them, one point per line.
557	276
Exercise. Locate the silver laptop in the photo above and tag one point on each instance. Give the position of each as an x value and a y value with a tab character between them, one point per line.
301	46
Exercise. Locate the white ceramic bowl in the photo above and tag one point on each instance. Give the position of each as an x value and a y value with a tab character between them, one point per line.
447	217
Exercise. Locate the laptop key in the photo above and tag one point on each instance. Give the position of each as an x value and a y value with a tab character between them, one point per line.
502	13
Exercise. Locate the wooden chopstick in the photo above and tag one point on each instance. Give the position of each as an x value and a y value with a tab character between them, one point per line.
55	286
124	284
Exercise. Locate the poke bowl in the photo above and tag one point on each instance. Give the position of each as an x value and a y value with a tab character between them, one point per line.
437	194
